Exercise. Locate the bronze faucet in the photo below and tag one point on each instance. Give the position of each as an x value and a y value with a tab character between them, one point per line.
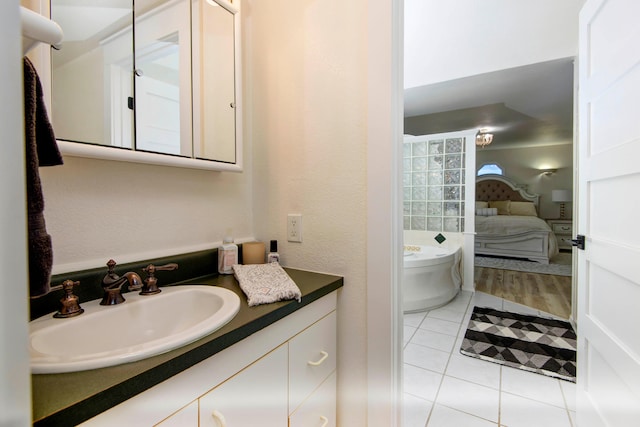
151	282
112	285
69	301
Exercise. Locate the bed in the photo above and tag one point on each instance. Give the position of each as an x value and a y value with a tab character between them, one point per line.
507	222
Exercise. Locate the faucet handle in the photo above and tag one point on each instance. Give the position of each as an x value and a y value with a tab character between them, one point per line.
111	277
170	266
151	282
69	301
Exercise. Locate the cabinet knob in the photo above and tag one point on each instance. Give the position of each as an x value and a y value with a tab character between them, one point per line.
322	359
219	418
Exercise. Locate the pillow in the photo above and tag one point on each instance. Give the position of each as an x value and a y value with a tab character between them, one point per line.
482	205
501	205
523	209
487	212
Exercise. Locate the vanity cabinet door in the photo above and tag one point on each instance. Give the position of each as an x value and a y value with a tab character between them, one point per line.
312	358
255	396
185	417
319	410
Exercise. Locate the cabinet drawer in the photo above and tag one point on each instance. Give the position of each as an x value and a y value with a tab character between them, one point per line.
564	242
562	228
185	417
312	357
319	410
256	396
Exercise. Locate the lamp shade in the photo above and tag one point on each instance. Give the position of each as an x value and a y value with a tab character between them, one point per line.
561	196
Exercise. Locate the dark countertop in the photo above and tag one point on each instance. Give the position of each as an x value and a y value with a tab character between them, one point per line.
71	398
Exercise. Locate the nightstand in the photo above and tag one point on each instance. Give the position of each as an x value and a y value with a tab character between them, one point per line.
563	229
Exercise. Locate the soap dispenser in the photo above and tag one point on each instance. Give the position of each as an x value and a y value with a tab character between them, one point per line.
273	255
227	256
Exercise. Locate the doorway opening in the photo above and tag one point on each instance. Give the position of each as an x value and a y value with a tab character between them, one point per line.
529	111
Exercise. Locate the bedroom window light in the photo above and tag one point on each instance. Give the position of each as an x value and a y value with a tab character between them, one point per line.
490	169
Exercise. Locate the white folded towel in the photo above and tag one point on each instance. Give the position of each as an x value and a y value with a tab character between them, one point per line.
265	283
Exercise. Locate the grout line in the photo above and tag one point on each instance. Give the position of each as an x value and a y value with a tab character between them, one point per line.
435	399
566	404
460	333
500	396
433	406
404	346
470	414
444	373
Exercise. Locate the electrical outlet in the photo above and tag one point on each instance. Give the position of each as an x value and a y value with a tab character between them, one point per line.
294	228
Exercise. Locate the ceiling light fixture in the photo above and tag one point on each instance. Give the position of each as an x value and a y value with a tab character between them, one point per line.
483	139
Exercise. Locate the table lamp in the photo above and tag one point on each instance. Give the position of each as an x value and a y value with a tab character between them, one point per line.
561	196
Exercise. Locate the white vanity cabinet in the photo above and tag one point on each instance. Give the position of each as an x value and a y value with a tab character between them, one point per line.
319	410
256	396
284	374
187	416
312	359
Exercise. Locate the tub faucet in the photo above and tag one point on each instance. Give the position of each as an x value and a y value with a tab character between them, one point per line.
112	285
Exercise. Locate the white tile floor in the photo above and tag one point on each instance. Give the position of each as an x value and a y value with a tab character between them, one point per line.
443	388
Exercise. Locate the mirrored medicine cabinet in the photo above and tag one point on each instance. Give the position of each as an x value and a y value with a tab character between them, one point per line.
157	82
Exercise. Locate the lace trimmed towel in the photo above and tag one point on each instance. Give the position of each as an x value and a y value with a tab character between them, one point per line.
265	283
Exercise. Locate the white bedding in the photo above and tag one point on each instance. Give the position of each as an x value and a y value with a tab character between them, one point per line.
509	224
501	225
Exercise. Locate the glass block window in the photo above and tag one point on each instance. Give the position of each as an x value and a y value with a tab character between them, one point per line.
433	181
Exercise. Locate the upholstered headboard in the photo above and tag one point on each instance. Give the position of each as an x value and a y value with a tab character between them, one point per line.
498	187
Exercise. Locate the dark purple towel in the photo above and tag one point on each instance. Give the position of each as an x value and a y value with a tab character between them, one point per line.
41	150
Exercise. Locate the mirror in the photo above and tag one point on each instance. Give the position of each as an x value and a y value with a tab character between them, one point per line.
164	89
91	74
214	74
163	77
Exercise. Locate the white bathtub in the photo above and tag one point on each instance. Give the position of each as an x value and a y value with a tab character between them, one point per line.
431	277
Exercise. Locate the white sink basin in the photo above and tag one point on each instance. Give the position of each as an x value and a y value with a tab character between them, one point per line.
141	327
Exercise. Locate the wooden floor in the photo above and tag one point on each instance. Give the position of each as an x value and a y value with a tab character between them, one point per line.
546	292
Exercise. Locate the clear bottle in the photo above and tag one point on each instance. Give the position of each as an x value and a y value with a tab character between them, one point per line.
227	256
273	255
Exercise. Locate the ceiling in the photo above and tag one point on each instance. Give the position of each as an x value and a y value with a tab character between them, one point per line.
523	107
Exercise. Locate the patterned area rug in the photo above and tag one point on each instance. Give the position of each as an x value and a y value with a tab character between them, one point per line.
560	265
530	343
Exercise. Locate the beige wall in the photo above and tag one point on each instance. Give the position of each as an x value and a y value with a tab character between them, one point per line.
98	209
306	69
523	166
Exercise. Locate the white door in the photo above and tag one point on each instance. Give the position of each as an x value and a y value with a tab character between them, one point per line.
609	199
157	116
